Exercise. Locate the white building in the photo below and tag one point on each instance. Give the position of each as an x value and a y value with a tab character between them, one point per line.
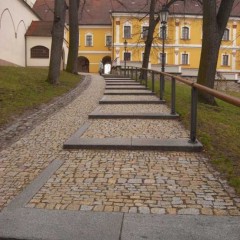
25	39
15	18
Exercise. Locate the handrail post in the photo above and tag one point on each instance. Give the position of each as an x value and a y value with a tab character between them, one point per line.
194	101
153	81
131	72
136	74
173	97
146	77
161	86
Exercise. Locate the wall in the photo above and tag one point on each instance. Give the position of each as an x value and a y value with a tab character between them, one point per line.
175	45
35	41
46	42
15	18
99	49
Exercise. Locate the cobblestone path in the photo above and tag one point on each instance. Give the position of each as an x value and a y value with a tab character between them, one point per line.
110	180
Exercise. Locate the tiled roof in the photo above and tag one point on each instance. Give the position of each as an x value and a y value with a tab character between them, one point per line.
44	8
98	12
40	29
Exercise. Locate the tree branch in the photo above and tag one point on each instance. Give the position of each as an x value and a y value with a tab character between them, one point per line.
171	2
223	13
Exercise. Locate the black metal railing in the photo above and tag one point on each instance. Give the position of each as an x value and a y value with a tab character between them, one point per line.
143	75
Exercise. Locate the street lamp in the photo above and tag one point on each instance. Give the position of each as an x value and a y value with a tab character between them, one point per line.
163	19
125	56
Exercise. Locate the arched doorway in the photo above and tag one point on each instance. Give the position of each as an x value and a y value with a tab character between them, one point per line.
107	64
83	64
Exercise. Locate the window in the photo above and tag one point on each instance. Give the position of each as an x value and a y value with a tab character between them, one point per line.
108	41
185	33
89	40
226	35
144	31
127	56
161	57
161	33
39	52
127	31
225	59
184	58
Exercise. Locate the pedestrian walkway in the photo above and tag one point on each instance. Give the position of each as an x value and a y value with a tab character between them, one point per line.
149	130
48	192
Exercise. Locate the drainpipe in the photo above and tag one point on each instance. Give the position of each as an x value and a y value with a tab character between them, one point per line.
25	50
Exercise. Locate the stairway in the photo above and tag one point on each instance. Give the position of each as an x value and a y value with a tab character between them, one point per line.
130	116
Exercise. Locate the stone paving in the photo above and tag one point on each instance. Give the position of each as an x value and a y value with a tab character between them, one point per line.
143	182
129	98
130	108
21	162
110	180
135	128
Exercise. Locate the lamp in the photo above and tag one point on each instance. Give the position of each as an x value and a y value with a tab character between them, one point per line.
125	56
164	15
163	19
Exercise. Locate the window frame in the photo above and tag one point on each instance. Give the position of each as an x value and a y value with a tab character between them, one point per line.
223	60
106	41
130	54
226	38
144	33
183	33
130	31
36	52
160	57
160	32
188	58
86	40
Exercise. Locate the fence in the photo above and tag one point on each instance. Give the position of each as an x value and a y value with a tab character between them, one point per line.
143	75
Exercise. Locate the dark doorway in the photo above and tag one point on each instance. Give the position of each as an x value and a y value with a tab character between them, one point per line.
107	63
83	64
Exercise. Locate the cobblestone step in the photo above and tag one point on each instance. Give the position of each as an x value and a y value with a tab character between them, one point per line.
132	116
119	80
128	92
132	112
132	135
137	87
114	99
122	83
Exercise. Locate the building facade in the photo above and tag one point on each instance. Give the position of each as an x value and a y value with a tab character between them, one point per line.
103	29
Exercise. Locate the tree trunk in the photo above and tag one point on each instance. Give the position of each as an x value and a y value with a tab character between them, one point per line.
73	36
57	41
148	43
214	24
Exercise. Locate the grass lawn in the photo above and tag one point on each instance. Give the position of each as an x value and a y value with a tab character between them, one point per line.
218	129
26	88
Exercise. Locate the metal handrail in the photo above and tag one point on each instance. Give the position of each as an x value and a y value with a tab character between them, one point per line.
194	94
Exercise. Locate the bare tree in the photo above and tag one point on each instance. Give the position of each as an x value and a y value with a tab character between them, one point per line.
215	18
151	28
154	18
73	36
57	41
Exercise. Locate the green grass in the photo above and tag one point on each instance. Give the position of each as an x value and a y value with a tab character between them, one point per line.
218	128
22	89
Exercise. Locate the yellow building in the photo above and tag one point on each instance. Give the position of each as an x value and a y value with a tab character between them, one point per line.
105	26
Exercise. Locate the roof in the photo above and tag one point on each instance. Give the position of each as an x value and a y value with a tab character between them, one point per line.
98	12
44	8
40	29
29	8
